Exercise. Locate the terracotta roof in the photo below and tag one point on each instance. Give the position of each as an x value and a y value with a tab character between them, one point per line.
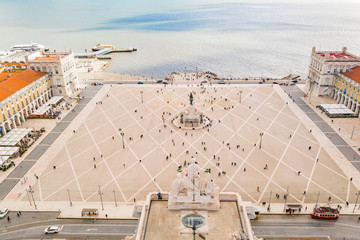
47	58
354	74
12	64
16	81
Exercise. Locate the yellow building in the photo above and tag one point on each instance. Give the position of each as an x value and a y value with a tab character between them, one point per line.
347	89
20	95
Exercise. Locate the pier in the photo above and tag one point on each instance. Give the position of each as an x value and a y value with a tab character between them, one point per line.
104	51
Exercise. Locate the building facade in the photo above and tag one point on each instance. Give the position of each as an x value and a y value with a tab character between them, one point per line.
13	66
60	66
347	89
20	95
324	66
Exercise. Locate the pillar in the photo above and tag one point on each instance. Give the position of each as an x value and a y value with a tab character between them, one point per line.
3	129
357	108
18	121
22	115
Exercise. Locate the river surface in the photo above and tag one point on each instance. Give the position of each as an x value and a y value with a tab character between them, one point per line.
231	38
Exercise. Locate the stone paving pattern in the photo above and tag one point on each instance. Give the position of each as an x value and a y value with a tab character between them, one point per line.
20	170
119	170
348	152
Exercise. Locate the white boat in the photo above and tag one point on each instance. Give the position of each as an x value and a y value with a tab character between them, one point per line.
28	47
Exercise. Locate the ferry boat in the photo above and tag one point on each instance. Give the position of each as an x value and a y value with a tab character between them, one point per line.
325	213
100	46
28	47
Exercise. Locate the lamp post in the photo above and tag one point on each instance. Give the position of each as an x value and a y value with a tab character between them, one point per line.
32	196
115	198
357	198
352	133
142	100
100	193
194	230
261	135
240	96
268	208
286	196
122	137
69	197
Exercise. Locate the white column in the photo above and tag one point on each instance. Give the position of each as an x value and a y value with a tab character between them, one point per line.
357	108
18	119
22	115
3	132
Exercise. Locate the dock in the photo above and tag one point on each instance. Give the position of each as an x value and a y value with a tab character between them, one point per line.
104	51
93	54
125	50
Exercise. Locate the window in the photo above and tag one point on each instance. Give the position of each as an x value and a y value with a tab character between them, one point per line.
56	71
44	69
60	92
329	69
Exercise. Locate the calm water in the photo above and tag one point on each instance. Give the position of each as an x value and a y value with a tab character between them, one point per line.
229	38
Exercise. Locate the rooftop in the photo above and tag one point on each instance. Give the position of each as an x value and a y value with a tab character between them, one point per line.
10	83
8	64
47	58
354	74
337	55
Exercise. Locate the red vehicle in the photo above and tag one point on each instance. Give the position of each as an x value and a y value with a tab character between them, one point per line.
325	213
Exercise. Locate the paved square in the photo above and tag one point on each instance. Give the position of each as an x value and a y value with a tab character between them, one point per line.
153	151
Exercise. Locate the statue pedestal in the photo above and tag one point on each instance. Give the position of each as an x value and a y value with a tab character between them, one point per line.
191	119
191	202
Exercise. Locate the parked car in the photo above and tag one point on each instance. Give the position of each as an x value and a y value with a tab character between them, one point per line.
96	83
260	82
119	83
221	82
204	81
52	229
294	81
140	83
4	212
275	82
165	83
159	81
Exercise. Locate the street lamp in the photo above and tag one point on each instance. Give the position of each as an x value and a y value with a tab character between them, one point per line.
122	137
142	100
240	96
100	193
194	230
261	135
285	197
31	191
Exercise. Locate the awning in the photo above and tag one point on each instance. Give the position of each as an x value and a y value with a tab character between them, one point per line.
8	151
3	159
41	110
54	100
14	137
